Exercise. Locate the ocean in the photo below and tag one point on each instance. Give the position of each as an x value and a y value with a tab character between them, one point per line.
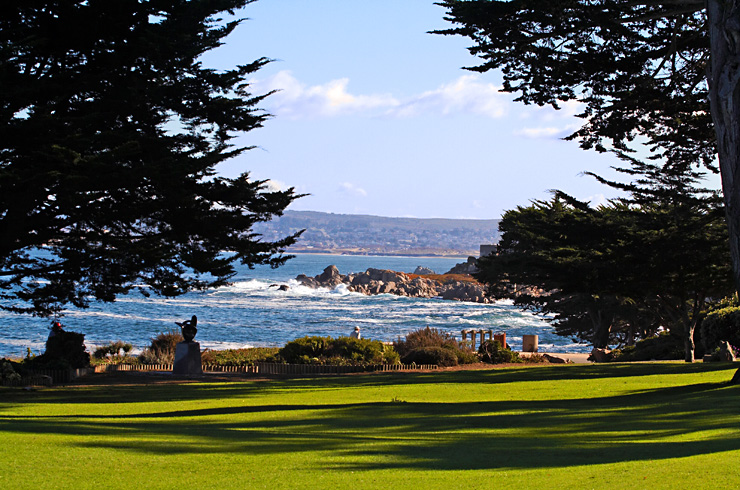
252	312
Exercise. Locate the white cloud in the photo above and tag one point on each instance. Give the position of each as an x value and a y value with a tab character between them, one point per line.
597	200
548	123
465	95
547	132
468	95
295	99
275	186
351	189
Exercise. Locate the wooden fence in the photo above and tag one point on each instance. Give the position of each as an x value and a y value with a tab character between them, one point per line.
49	377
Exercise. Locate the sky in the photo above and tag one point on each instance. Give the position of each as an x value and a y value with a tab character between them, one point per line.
374	115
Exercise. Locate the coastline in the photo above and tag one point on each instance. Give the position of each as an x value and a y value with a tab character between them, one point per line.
345	253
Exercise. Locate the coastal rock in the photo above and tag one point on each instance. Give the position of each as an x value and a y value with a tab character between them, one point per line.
600	355
423	271
309	282
330	277
383	281
469	267
554	359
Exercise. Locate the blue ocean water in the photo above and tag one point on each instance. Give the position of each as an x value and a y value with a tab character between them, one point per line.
252	313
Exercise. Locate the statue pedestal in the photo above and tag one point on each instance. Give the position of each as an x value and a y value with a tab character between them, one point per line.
187	359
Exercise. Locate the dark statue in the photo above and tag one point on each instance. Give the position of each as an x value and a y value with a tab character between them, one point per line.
188	328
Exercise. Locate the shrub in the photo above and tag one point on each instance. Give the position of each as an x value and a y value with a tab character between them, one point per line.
534	358
432	337
390	356
339	351
664	346
492	352
721	325
466	355
8	373
239	357
364	351
425	337
431	355
64	350
112	351
305	347
162	348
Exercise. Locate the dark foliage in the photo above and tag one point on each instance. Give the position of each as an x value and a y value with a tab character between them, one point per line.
64	350
327	350
492	352
443	357
118	348
665	346
162	349
110	133
721	325
239	357
639	68
615	273
425	338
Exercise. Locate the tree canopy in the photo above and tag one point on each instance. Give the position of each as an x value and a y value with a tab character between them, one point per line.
111	131
618	272
659	74
639	68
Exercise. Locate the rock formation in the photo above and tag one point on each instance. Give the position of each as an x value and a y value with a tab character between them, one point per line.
469	267
381	281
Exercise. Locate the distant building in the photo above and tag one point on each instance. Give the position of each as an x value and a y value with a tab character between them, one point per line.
487	250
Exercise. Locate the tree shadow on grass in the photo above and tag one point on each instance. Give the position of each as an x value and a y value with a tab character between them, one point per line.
243	387
670	422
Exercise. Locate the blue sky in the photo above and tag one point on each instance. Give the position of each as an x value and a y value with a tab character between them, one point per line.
375	116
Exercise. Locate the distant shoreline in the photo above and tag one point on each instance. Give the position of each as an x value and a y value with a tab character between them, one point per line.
410	255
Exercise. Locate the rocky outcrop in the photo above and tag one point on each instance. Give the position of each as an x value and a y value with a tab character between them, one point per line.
423	271
469	267
381	281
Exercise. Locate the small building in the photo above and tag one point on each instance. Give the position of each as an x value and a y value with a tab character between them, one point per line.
487	250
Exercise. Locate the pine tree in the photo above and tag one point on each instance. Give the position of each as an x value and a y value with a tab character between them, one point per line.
111	131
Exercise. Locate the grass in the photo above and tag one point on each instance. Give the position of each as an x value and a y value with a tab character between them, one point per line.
663	425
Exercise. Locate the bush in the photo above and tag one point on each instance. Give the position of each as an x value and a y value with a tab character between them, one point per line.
339	351
162	349
425	337
533	358
8	372
492	352
721	325
390	356
304	348
64	350
112	351
466	356
431	355
432	337
664	346
363	351
239	357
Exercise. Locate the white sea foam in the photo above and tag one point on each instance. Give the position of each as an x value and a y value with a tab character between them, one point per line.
250	312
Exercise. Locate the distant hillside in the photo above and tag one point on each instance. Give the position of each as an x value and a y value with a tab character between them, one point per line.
362	234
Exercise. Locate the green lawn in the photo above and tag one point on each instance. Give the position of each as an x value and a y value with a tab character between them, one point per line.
663	425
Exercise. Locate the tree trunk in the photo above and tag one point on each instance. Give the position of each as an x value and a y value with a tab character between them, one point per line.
688	341
602	327
723	17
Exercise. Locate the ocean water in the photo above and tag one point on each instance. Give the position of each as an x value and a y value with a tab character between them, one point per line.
253	312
